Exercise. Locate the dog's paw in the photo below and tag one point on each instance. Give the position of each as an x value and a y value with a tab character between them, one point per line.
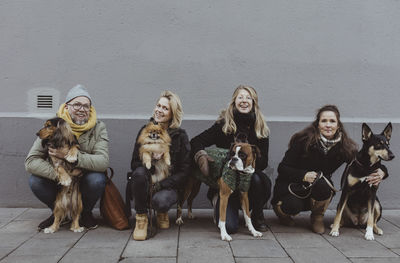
334	233
148	166
48	230
369	236
226	237
378	231
256	233
179	221
65	181
191	216
71	158
77	230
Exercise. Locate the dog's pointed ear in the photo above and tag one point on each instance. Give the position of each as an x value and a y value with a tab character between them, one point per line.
241	137
387	132
366	132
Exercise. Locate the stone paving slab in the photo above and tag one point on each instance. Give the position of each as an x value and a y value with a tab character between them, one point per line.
263	260
197	240
103	255
257	248
301	240
375	260
317	255
357	246
148	260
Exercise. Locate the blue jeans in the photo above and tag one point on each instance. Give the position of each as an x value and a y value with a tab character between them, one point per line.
91	185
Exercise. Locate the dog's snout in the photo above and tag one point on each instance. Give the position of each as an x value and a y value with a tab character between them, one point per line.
391	156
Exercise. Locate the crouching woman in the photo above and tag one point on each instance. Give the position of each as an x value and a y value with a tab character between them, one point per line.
313	155
167	112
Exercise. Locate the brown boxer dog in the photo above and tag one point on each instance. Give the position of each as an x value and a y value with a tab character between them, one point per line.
242	159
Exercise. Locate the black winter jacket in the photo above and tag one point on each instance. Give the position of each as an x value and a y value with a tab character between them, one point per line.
215	136
296	163
180	158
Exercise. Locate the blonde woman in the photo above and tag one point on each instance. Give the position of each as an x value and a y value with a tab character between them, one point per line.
168	112
241	116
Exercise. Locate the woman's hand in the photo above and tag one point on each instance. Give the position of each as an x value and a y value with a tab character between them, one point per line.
58	153
375	177
310	176
202	159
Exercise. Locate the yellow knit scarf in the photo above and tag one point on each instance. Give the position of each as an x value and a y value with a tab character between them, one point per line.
78	130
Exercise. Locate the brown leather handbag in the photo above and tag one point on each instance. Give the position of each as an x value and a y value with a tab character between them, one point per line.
112	207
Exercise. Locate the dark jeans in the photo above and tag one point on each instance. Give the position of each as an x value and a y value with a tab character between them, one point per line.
91	186
162	200
293	205
259	193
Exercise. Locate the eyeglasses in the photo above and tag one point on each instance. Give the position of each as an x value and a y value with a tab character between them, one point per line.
78	106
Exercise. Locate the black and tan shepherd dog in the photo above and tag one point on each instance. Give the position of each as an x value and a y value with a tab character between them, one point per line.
57	134
359	205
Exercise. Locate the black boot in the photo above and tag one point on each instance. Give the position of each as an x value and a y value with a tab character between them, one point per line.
257	219
88	221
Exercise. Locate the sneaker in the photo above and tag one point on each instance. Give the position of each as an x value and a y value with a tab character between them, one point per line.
88	221
50	220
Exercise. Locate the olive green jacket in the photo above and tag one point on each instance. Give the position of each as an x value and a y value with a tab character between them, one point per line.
93	154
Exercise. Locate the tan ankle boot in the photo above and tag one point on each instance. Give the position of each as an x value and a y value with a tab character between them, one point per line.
318	209
162	220
284	219
140	232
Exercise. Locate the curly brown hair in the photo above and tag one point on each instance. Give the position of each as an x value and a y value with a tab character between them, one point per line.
311	134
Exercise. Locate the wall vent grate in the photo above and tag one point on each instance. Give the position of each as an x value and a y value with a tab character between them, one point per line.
44	102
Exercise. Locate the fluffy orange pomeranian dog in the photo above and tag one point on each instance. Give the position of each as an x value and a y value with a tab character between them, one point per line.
154	140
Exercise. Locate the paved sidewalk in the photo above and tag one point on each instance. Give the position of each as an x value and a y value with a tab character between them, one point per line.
196	241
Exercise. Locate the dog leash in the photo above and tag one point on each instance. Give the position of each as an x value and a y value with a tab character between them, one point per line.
151	211
309	187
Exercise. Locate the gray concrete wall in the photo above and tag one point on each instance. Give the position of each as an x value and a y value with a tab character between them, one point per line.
299	55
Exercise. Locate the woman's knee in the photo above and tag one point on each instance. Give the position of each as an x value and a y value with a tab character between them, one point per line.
292	206
94	181
321	191
139	176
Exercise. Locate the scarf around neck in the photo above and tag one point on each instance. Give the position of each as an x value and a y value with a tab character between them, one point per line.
328	144
77	129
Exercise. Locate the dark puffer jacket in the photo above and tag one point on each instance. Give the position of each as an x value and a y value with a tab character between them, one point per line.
215	136
296	163
180	158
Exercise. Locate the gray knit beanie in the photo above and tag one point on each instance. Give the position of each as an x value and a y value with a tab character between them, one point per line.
77	91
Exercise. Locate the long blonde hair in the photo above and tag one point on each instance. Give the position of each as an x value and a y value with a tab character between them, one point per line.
260	126
175	107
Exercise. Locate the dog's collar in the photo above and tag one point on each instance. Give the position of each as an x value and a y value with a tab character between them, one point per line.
248	170
365	169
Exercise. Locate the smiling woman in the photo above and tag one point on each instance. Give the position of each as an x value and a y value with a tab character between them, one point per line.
242	116
168	113
314	153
